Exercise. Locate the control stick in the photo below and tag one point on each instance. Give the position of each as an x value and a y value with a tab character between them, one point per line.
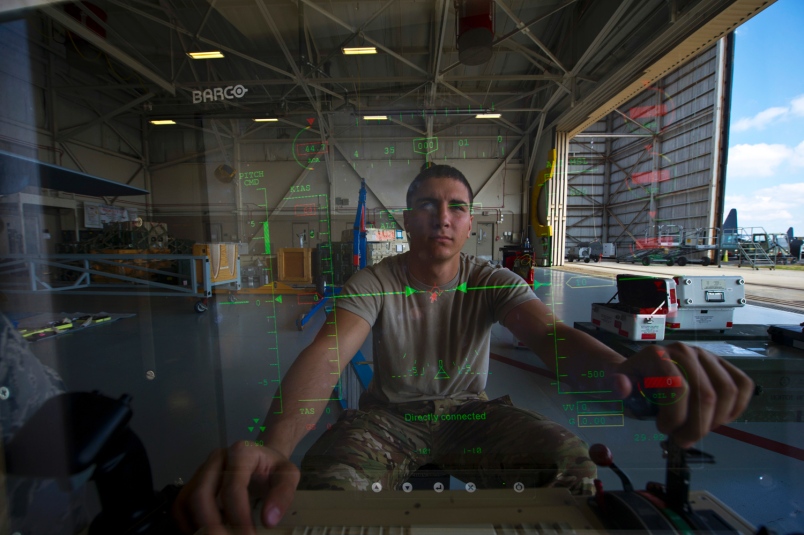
601	456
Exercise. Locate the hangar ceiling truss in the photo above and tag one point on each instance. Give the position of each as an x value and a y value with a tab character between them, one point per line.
560	58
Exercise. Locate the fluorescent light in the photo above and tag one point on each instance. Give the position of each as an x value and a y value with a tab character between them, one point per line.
488	116
212	54
266	120
354	50
374	118
163	121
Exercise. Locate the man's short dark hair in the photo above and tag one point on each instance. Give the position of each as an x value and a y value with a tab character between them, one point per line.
437	171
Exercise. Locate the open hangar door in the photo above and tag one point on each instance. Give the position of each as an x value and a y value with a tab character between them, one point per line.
650	168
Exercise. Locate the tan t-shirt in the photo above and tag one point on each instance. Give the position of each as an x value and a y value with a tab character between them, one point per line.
431	342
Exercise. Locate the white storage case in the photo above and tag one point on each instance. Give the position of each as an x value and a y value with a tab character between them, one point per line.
622	320
706	303
710	292
700	319
640	314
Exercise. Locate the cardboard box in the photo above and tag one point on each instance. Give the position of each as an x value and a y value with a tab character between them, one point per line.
222	260
295	265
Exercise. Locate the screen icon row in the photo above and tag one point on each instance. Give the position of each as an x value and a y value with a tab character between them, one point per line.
439	487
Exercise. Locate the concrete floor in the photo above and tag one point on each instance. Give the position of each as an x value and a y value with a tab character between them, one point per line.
213	378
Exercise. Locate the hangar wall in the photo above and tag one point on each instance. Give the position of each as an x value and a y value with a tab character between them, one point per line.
275	182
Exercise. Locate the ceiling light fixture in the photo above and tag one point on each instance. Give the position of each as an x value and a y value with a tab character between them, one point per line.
162	121
375	117
211	54
488	116
266	120
355	50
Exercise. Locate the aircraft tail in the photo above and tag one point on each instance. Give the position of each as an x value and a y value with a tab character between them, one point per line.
730	224
790	234
729	231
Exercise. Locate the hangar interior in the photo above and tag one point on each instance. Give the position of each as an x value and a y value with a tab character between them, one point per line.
598	120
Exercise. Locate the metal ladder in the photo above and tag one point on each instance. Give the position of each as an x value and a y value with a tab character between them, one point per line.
753	253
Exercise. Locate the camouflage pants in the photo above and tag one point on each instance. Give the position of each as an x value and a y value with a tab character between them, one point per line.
490	443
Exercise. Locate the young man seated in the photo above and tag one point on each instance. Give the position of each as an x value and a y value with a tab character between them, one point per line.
426	402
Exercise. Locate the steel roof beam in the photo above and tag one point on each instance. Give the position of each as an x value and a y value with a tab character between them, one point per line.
185	158
186	58
502	164
460	93
504	78
100	22
374	42
336	50
524	138
528	54
538	18
352	167
79	29
220	46
522	27
438	55
520	96
119	134
101	150
357	32
103	118
281	204
604	135
314	101
604	32
409	127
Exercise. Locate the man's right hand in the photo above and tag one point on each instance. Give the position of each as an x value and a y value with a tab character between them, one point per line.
218	493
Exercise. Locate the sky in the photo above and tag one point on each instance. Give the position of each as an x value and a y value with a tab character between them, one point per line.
765	172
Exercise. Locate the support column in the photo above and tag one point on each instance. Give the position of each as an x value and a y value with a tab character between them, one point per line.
21	213
720	145
238	191
557	200
604	215
656	161
146	168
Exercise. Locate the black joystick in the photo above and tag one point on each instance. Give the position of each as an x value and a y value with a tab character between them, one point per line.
601	456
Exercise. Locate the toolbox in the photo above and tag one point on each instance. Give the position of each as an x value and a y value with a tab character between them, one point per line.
706	302
640	314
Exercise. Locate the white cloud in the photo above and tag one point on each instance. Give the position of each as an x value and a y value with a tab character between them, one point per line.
798	155
760	160
770	115
760	120
773	209
797	106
